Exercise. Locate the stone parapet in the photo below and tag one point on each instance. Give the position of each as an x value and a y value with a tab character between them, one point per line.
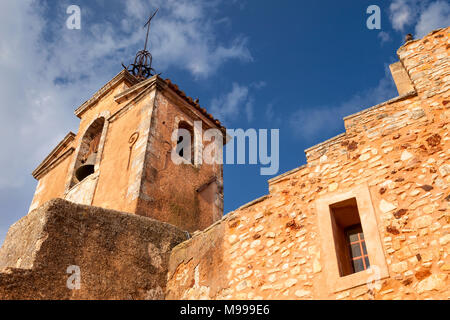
119	256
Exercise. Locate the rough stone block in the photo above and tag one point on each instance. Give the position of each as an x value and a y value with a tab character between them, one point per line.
119	255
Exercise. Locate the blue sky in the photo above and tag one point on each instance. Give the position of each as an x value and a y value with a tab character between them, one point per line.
297	66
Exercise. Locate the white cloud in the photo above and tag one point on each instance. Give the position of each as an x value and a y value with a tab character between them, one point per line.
402	13
423	16
46	71
436	15
272	116
184	36
315	122
384	37
229	106
258	85
237	102
249	109
31	112
42	81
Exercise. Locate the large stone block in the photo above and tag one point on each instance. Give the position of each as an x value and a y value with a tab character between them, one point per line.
119	255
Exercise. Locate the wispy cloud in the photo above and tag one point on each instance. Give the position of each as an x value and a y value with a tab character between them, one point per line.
185	37
237	102
42	81
436	15
272	116
384	37
46	70
422	16
403	13
233	104
313	122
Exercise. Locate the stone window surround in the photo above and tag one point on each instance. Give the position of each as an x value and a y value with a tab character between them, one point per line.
196	141
369	224
106	115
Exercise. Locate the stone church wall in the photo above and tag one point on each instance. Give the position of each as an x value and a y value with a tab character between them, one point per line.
394	158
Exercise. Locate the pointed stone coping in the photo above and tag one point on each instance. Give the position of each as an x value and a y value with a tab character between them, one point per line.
122	75
399	98
55	157
338	138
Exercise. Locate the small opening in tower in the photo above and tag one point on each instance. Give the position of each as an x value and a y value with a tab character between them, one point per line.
185	142
87	156
351	251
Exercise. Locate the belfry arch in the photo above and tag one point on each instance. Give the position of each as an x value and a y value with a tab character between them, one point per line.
89	151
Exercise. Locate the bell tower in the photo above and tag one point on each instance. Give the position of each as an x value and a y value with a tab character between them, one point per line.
126	153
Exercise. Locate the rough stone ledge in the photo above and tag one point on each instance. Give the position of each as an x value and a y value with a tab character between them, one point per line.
226	217
288	173
420	39
124	74
251	203
338	138
120	255
328	142
396	99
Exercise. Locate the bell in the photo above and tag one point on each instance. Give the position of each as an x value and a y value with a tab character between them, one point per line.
87	168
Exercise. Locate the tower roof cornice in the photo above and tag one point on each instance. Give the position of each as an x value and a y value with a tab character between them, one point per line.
123	75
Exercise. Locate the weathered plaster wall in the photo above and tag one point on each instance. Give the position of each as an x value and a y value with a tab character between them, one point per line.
273	248
120	256
169	191
52	184
86	192
119	183
83	192
134	171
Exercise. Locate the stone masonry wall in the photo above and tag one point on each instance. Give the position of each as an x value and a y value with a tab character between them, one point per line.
120	256
54	183
170	192
273	249
134	172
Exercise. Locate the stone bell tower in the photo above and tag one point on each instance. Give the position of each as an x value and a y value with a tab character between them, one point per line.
122	156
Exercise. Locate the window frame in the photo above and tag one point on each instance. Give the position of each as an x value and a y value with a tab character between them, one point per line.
196	140
359	242
335	282
71	182
184	125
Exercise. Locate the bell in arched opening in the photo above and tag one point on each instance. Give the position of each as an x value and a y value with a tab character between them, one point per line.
87	168
89	152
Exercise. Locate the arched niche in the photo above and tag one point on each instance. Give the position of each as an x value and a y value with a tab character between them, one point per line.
89	152
183	125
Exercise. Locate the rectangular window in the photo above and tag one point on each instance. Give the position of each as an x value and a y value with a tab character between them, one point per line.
350	238
351	251
357	247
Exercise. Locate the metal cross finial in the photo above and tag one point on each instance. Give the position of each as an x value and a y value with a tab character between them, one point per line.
142	66
148	27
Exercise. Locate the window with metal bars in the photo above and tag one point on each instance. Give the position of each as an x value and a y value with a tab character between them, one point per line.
349	242
357	247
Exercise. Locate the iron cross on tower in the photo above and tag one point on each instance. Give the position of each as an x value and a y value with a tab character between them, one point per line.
142	66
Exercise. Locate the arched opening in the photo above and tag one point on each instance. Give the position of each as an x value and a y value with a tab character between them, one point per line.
89	151
185	149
